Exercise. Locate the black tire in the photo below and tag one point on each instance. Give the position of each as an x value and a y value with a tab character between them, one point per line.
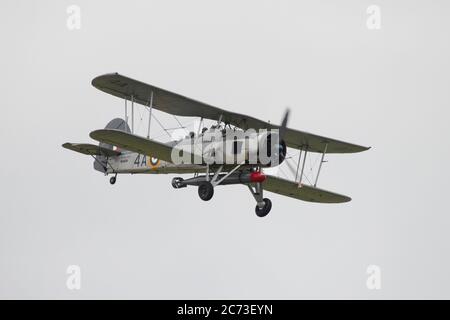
112	180
264	211
205	191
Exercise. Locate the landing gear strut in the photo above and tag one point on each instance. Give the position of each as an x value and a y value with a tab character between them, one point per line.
263	205
205	190
207	183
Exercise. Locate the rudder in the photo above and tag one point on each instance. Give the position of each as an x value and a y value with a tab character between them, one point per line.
100	163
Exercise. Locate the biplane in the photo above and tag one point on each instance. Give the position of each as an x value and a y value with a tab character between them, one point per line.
232	160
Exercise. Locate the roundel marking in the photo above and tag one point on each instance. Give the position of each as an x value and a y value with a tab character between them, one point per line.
153	162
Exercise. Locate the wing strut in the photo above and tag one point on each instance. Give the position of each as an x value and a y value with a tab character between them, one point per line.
299	178
303	165
132	114
320	165
150	107
126	111
298	163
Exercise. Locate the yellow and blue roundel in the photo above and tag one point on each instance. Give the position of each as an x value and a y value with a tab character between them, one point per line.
153	162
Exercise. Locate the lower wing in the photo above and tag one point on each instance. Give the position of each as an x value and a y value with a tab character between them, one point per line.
304	192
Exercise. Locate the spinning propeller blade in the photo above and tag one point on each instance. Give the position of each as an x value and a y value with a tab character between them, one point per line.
284	124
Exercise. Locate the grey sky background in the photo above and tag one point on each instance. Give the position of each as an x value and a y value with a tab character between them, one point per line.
140	238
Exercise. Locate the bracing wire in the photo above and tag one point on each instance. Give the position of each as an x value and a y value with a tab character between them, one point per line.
181	126
160	124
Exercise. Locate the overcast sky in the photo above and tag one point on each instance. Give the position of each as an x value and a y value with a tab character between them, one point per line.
387	88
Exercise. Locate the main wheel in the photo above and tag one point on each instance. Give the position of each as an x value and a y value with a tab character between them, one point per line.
264	211
205	191
112	180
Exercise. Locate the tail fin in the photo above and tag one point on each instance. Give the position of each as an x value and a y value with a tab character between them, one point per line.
100	163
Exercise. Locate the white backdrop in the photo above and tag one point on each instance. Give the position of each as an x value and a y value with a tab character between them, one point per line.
387	88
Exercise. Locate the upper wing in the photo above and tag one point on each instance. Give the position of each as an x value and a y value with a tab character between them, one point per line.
314	143
126	88
135	143
90	149
306	193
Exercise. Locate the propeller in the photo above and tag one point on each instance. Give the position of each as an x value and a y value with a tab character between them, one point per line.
282	129
281	146
279	149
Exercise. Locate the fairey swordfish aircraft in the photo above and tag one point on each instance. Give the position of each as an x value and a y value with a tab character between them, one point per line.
236	149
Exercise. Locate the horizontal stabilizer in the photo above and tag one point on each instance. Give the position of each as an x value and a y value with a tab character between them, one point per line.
90	149
305	192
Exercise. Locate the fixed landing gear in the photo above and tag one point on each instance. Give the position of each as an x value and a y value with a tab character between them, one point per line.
208	182
263	205
112	180
205	190
265	209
